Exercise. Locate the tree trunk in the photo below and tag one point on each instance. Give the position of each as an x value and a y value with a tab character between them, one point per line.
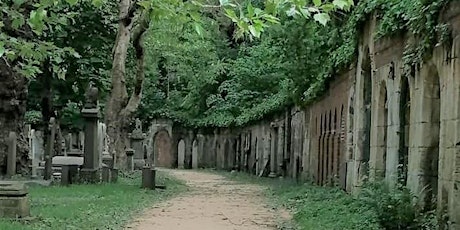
121	107
13	98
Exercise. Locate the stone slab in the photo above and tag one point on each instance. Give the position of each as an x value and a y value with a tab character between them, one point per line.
69	160
11	188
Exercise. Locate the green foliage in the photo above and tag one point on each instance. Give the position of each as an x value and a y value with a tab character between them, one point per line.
24	30
236	82
71	116
397	208
108	206
33	117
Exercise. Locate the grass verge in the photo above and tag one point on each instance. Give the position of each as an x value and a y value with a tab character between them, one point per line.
315	207
107	206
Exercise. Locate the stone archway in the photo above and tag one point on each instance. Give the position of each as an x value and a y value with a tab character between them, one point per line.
405	120
162	150
181	154
367	109
425	142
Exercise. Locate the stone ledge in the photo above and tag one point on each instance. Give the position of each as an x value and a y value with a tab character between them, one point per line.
14	189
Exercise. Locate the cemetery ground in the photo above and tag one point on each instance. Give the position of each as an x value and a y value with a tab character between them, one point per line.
195	200
92	206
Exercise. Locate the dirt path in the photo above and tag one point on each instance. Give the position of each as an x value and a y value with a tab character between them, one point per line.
213	203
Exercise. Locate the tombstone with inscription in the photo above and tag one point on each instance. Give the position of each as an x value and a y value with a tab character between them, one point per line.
137	139
90	173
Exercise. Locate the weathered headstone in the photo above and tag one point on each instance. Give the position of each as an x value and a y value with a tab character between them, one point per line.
90	172
137	138
14	202
148	177
49	150
130	159
11	163
181	154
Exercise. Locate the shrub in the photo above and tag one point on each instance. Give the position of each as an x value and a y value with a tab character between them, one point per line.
398	207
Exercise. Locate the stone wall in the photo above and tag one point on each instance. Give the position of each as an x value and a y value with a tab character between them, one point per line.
376	120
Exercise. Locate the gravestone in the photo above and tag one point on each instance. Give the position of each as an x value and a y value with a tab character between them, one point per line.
11	158
49	150
90	172
181	154
130	159
137	139
14	202
148	177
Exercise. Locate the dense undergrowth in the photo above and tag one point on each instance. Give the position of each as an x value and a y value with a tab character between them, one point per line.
108	206
376	206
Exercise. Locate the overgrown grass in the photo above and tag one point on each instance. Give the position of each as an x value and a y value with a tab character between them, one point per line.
316	207
108	206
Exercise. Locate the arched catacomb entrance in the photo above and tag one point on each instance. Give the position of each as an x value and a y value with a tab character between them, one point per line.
195	154
405	115
181	154
367	103
382	131
163	156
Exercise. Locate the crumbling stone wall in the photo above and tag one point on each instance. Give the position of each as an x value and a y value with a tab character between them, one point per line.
378	119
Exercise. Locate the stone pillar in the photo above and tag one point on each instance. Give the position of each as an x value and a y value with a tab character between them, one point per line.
11	163
33	151
272	151
280	148
237	164
130	160
137	139
195	154
90	113
49	149
189	149
100	141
